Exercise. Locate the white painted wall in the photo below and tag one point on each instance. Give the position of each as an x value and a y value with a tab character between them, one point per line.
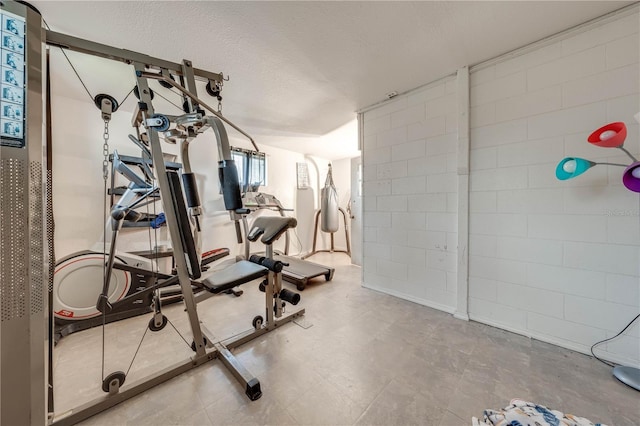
550	259
335	147
337	144
78	184
558	261
410	196
309	202
77	172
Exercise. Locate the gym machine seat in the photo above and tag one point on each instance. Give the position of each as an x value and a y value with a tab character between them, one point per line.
270	228
237	274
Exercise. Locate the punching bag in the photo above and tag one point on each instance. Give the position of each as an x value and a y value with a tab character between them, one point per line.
329	205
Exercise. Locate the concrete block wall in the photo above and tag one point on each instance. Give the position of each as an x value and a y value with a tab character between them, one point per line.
549	259
555	260
410	196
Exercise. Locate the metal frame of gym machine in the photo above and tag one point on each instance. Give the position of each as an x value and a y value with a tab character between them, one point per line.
205	351
23	257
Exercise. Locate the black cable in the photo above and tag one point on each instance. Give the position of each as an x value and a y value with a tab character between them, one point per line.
126	97
104	267
178	94
155	267
181	336
168	101
137	350
72	67
611	338
77	75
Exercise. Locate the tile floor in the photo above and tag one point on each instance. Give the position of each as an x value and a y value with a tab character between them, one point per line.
368	358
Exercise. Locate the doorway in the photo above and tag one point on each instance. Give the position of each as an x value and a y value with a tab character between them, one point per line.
355	210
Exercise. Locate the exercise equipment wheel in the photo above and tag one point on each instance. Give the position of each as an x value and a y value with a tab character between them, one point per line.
152	324
257	322
114	380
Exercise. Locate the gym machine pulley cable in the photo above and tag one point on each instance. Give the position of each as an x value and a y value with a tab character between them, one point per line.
183	223
109	105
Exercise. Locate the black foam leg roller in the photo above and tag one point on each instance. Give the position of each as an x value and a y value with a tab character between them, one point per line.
289	296
257	259
228	174
273	265
191	189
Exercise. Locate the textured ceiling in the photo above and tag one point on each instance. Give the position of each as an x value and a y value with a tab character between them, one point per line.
304	68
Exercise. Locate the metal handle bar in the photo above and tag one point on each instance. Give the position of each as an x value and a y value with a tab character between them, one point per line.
199	101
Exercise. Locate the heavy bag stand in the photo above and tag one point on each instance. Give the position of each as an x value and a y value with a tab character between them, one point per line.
332	249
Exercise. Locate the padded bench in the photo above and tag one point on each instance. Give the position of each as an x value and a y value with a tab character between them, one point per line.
244	271
232	276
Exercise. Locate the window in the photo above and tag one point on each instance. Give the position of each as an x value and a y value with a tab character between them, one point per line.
252	168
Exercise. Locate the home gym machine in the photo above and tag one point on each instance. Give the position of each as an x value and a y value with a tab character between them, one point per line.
184	224
297	271
136	286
